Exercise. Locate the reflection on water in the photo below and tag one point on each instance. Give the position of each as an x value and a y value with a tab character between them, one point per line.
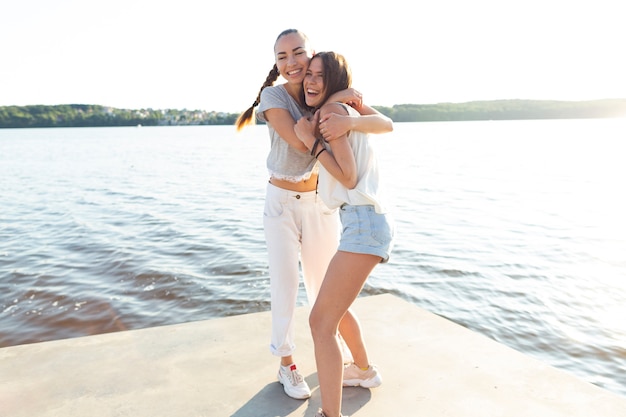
513	229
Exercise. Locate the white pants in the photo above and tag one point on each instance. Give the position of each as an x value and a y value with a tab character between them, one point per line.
299	229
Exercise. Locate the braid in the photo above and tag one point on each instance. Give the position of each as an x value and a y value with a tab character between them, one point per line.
246	117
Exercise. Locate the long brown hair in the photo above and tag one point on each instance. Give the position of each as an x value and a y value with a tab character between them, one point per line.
247	117
337	74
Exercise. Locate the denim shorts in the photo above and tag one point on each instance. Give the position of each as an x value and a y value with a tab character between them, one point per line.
365	231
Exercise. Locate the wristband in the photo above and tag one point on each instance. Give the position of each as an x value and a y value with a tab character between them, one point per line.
317	141
319	153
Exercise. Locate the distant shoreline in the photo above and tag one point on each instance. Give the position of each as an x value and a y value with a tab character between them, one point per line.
90	115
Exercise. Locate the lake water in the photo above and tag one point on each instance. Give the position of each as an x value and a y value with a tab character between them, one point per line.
514	229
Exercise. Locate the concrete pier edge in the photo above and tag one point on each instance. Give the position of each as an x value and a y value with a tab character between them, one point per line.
222	367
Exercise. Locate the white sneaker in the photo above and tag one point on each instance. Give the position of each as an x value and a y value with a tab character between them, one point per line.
294	385
353	376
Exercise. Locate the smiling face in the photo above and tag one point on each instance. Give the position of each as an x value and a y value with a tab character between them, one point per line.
328	73
314	83
292	54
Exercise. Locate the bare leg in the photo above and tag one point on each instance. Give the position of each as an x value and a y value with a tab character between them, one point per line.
344	280
350	330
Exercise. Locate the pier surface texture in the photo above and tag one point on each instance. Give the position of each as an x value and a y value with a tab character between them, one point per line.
431	367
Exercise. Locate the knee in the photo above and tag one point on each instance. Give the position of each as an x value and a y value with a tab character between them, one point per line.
320	325
314	323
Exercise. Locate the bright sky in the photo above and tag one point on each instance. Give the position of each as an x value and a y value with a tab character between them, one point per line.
197	54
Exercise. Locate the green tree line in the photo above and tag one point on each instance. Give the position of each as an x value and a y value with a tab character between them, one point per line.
85	115
506	110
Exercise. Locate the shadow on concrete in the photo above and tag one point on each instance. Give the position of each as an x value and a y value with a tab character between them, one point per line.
354	398
271	401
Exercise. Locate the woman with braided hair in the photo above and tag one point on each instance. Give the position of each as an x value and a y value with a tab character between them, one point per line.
299	228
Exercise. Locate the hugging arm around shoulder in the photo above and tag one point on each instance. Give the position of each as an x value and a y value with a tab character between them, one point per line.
372	121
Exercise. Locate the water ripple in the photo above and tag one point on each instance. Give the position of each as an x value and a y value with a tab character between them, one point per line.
516	236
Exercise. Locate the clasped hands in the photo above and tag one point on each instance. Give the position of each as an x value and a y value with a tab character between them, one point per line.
331	126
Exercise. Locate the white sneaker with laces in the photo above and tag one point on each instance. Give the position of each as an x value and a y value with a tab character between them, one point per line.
294	385
353	376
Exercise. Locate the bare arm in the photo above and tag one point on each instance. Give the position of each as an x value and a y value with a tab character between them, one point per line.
284	125
370	120
335	125
340	163
349	96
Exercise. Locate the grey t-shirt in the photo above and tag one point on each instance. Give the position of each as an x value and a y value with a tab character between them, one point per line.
284	162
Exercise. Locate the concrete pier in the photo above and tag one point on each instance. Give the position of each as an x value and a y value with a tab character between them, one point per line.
431	367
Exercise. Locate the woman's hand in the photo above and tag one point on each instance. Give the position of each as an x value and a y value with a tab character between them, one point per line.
305	129
349	96
333	125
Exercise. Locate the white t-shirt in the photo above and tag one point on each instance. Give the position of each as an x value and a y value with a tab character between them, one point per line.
368	190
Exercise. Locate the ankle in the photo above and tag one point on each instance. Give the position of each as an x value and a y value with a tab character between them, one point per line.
320	413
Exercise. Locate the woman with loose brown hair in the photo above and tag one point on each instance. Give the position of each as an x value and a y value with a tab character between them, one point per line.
350	181
300	230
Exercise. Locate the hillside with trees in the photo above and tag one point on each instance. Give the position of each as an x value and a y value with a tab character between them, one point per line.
86	115
506	110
